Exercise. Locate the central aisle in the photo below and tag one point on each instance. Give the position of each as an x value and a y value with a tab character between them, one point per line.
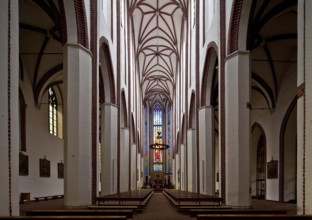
159	208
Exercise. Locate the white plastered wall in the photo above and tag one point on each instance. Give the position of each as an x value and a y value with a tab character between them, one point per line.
124	159
271	122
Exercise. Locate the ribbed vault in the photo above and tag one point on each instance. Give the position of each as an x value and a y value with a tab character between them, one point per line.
157	33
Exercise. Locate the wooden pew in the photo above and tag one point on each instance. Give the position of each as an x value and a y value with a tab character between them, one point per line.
62	217
181	197
188	208
251	216
196	212
135	197
38	198
128	213
113	207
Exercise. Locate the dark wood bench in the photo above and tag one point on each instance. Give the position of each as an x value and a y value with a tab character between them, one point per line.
38	198
117	207
135	197
128	213
180	197
188	208
251	216
63	217
196	212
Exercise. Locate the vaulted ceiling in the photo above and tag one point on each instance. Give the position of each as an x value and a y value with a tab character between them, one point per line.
41	45
158	27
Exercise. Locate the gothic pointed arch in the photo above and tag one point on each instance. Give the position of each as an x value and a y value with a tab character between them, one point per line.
106	72
51	77
22	105
123	111
209	90
259	158
288	147
192	111
183	130
133	130
81	22
239	19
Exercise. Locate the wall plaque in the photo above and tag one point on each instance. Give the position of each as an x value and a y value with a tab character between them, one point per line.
44	167
23	164
272	169
60	170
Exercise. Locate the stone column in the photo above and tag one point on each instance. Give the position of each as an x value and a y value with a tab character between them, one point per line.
9	108
133	168
173	176
77	125
177	172
192	161
140	169
206	151
109	149
183	168
237	129
124	160
304	109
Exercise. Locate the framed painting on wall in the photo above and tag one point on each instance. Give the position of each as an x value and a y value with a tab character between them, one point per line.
23	164
60	170
272	169
44	167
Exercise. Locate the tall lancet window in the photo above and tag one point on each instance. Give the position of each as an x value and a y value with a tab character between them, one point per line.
52	112
157	137
169	161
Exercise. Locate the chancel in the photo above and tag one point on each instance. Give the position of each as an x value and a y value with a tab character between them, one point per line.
161	160
120	109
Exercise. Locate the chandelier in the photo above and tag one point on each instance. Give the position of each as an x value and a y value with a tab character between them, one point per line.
158	145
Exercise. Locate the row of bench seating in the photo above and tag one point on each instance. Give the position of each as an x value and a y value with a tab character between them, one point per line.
127	213
251	216
195	208
117	206
62	217
38	198
180	197
137	198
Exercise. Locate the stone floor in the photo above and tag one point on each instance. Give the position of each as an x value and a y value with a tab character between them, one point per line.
160	208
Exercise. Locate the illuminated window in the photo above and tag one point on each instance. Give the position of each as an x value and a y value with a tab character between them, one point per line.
145	141
52	112
157	125
169	153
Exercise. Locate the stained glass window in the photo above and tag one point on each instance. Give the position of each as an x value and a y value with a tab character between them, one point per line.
157	125
169	165
145	141
52	112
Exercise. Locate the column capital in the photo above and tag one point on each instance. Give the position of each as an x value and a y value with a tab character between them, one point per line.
78	46
206	107
236	53
110	105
